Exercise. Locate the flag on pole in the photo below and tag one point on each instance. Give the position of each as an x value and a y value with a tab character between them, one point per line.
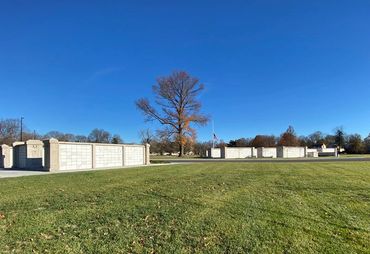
214	136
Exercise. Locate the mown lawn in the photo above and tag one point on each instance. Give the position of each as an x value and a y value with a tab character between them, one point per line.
210	207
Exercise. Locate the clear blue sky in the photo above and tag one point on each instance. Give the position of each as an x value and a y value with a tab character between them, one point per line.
76	65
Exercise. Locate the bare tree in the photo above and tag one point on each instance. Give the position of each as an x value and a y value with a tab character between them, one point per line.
9	131
55	134
81	138
146	136
177	98
68	137
316	139
116	139
99	136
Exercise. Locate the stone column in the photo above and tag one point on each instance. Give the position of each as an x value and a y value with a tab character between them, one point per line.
6	156
147	154
305	151
254	152
93	156
123	155
223	152
2	155
51	154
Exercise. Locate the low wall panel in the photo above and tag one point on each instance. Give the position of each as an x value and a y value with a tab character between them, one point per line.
291	152
237	152
214	153
232	153
108	156
266	152
75	156
134	155
245	152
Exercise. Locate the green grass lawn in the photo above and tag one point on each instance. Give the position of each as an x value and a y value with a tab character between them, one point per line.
210	207
355	156
173	157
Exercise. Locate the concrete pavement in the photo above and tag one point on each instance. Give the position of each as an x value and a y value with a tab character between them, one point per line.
322	159
7	173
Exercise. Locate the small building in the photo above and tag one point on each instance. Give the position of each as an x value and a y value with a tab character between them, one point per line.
28	154
266	152
312	153
324	151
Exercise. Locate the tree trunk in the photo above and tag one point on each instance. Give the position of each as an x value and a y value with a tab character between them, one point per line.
180	140
181	148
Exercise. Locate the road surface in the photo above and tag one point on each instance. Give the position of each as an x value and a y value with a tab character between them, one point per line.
329	159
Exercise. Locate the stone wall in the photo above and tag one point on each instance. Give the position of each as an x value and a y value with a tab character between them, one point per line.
214	153
134	155
108	156
291	152
238	152
266	152
73	155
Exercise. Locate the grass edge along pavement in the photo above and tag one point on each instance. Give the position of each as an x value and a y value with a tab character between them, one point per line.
209	207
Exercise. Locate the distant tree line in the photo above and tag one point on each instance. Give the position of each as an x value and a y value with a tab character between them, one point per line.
10	130
163	144
351	143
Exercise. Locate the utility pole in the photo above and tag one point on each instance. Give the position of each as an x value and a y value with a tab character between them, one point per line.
22	128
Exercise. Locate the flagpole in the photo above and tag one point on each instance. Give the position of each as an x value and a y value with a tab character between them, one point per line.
213	134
